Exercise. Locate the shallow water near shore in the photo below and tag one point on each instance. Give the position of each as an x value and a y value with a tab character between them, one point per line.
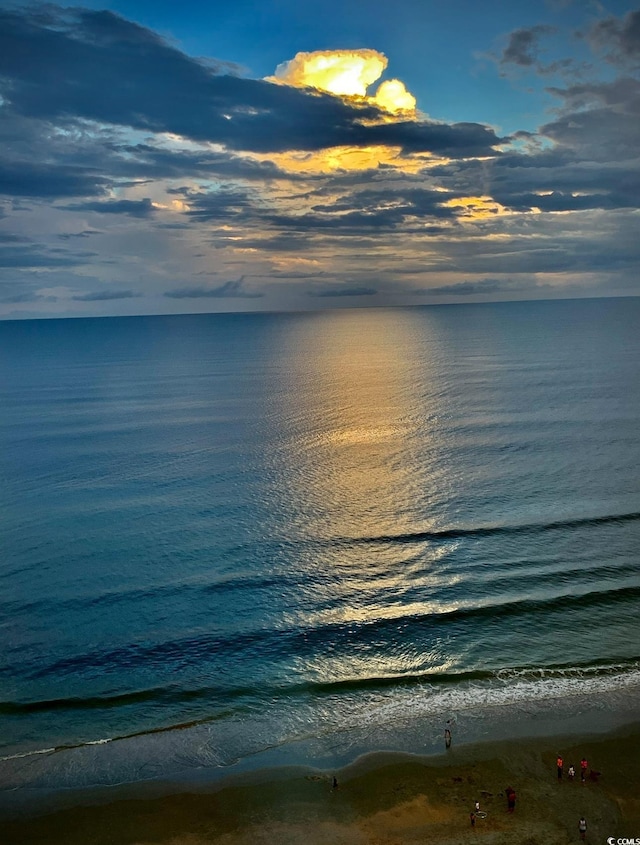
233	540
381	797
164	757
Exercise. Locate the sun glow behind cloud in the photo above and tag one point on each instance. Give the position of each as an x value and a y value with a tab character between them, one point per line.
349	74
476	208
350	159
346	73
394	97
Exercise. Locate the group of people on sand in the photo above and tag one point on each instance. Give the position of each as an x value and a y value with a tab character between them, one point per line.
511	794
571	772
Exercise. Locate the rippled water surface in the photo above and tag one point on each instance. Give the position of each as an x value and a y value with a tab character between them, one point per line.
269	529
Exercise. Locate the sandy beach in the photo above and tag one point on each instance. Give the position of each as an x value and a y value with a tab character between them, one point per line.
381	799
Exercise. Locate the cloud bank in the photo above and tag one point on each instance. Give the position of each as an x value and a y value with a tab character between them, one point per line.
131	171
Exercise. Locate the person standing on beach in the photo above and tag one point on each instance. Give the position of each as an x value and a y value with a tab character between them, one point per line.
583	769
582	827
571	773
473	819
559	764
511	800
447	737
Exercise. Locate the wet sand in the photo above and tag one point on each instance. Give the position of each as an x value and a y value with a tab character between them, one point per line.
381	799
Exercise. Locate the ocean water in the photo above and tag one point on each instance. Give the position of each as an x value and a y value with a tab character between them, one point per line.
230	539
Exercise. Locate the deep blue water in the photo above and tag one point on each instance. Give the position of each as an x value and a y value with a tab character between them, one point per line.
258	531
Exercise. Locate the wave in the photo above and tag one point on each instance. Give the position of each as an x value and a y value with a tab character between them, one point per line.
71	746
443	534
156	695
176	695
304	639
601	669
368	703
494	530
283	580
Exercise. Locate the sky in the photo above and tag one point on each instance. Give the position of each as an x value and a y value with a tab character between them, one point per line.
160	157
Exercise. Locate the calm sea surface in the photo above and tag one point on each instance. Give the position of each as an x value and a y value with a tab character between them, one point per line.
223	535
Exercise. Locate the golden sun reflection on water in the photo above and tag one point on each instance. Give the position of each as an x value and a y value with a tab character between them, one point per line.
360	406
357	666
354	419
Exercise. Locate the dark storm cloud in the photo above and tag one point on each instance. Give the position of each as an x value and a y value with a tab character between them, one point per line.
105	295
620	39
146	160
231	289
338	291
523	46
133	208
560	201
239	206
19	178
599	121
600	134
279	242
456	140
614	248
621	95
30	255
86	233
593	164
224	204
41	161
97	66
350	214
401	201
356	222
519	173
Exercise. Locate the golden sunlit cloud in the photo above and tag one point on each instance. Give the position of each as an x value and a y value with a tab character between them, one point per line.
346	73
350	159
393	96
477	208
349	74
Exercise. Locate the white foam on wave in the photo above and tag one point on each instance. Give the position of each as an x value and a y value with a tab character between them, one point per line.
395	716
338	725
28	754
525	686
507	687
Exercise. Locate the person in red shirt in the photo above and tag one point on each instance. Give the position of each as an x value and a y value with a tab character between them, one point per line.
583	769
560	764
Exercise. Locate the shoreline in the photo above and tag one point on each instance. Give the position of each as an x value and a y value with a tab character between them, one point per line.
192	755
382	797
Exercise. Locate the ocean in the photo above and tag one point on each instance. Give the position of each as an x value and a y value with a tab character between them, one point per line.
239	540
